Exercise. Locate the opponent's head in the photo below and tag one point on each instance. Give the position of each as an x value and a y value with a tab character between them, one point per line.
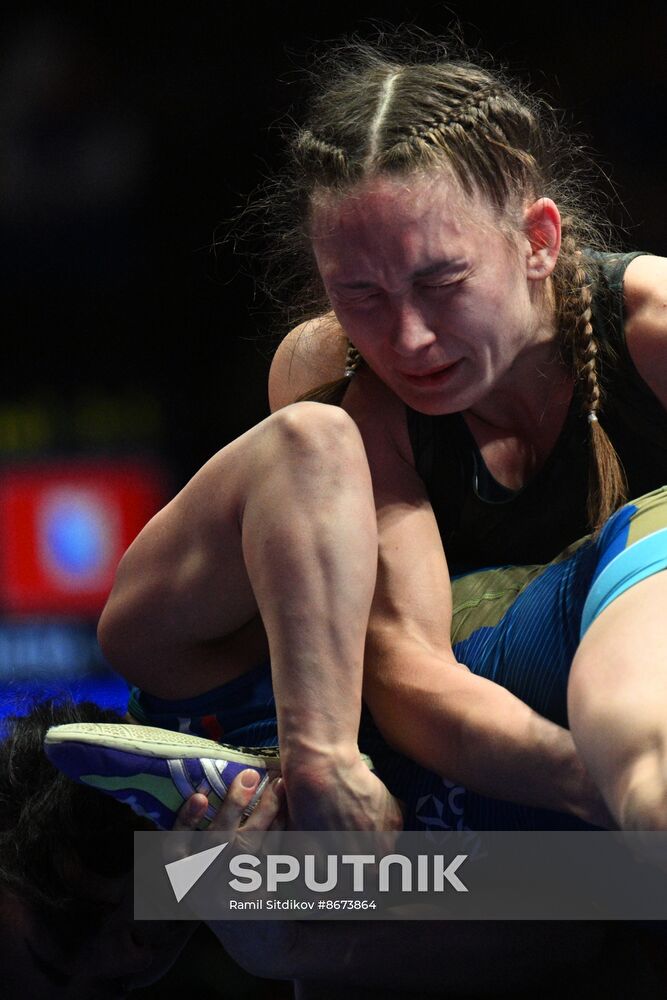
66	924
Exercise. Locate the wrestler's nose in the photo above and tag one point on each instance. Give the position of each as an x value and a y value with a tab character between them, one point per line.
411	330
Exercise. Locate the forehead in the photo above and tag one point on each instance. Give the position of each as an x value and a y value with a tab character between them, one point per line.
412	217
376	189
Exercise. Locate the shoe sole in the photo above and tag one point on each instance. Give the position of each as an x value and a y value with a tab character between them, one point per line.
160	743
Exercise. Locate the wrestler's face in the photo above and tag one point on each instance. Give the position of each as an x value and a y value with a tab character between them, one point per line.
431	286
47	958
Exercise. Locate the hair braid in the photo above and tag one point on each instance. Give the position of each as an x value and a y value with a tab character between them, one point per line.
607	486
331	159
490	138
334	392
353	360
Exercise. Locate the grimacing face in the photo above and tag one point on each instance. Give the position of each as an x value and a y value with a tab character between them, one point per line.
45	959
427	285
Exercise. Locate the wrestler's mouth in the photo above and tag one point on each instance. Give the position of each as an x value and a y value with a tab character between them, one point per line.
435	377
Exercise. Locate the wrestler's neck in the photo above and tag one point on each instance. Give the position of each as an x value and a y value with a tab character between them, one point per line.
528	370
518	423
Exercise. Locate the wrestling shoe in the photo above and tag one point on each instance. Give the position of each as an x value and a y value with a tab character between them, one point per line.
154	771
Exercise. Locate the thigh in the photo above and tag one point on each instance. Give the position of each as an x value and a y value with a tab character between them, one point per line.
617	694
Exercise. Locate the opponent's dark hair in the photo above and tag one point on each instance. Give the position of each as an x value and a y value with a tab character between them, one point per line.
49	825
406	105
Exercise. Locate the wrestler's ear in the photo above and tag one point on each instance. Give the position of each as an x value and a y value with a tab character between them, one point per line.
542	231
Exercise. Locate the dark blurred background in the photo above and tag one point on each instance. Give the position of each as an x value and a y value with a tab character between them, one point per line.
129	134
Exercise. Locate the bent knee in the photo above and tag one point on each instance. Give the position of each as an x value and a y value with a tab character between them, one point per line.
317	427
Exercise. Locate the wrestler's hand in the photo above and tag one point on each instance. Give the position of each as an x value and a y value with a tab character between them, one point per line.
335	796
269	813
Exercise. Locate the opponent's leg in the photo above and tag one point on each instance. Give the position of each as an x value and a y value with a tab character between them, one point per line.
617	693
618	704
282	521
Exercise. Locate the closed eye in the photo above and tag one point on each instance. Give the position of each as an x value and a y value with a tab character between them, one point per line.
367	298
441	285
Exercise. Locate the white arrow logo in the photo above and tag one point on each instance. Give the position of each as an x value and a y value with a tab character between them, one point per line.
185	873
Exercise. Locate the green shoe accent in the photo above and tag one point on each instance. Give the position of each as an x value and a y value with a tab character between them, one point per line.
161	789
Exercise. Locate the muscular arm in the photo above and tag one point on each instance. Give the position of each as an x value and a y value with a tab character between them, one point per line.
427	705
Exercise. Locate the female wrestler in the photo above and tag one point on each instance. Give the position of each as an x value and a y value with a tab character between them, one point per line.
455	260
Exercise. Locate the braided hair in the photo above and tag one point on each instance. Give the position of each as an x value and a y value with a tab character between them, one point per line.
607	484
386	114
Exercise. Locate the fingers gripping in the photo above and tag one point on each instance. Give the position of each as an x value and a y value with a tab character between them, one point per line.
249	803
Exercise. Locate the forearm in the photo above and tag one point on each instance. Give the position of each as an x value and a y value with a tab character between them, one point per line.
473	731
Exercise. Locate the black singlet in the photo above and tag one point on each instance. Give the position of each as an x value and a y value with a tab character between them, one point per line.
484	524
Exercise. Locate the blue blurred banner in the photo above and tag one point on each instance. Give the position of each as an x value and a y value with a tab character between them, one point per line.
44	659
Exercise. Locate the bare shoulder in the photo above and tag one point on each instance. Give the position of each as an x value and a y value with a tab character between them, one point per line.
311	354
645	292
